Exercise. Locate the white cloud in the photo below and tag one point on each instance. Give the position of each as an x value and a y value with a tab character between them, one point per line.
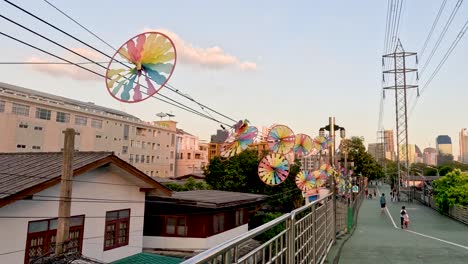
211	57
69	70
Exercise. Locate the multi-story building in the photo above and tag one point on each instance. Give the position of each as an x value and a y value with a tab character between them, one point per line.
411	153
464	145
375	150
33	121
444	149
418	155
389	145
192	155
214	147
430	156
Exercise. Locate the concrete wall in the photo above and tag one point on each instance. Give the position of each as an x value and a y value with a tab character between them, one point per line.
192	243
13	231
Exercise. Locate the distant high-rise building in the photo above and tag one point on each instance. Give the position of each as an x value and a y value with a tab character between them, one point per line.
374	150
411	153
220	136
444	149
430	156
418	156
464	145
389	145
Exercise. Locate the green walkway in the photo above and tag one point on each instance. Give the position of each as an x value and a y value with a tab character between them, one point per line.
432	238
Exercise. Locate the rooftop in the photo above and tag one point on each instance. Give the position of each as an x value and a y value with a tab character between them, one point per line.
213	198
148	258
22	173
443	139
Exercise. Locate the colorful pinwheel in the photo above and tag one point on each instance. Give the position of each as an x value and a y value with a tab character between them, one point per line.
303	145
322	142
306	181
241	137
281	139
320	178
273	169
327	169
148	58
341	185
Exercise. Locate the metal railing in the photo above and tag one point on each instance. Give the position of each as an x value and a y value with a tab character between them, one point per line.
304	235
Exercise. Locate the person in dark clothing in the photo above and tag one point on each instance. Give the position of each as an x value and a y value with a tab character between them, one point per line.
402	215
383	202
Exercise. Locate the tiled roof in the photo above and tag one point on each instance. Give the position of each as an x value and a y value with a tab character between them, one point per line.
148	258
19	171
22	172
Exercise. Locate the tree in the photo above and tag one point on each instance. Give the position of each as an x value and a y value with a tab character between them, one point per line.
451	189
190	185
240	174
364	163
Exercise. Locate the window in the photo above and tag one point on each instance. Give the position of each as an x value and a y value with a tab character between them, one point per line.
131	158
181	156
137	158
41	237
137	144
2	106
239	217
125	132
20	146
23	125
132	143
152	172
81	120
36	147
142	144
171	167
42	113
152	159
142	158
189	155
38	128
147	159
20	109
98	136
218	223
63	117
176	225
154	146
124	149
172	139
117	229
96	123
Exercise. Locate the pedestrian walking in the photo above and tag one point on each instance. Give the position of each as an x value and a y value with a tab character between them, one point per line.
383	202
375	194
402	216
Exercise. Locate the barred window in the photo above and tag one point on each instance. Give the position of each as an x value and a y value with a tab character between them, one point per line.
2	106
81	120
42	113
96	123
20	109
63	117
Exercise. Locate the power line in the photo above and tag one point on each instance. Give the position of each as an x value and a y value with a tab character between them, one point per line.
47	63
97	50
442	34
178	105
442	6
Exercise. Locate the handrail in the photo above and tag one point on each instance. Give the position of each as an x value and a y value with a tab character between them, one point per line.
223	247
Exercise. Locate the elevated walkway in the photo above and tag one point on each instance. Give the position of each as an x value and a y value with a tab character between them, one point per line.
378	238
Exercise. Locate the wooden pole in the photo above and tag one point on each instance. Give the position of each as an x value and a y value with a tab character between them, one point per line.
63	225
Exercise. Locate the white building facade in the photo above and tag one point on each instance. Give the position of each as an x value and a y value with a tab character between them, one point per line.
33	121
192	155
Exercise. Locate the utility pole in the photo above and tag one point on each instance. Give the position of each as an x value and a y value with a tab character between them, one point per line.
400	85
332	163
63	225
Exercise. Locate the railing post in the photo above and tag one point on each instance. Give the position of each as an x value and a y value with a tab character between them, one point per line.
314	231
291	237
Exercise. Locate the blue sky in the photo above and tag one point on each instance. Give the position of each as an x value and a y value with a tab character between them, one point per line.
314	59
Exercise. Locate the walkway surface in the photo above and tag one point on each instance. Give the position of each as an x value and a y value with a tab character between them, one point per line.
431	237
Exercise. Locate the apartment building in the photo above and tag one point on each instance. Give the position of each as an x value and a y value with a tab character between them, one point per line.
192	155
33	121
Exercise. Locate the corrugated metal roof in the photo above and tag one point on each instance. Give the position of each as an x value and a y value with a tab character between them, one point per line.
148	258
20	171
88	105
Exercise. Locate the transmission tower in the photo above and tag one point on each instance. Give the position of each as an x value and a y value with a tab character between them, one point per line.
399	82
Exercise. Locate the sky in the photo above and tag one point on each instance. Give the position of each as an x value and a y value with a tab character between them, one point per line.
272	62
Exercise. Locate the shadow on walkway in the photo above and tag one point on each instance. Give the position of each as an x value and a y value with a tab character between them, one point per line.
376	240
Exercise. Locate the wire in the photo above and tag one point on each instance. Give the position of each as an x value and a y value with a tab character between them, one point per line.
97	50
442	34
442	6
83	27
179	105
46	63
442	62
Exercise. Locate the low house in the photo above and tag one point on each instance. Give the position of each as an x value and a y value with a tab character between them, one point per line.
107	208
196	220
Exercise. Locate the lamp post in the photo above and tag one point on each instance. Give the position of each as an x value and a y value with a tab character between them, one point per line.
331	128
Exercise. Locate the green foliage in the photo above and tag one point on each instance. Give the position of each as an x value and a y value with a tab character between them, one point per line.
190	185
364	163
451	189
261	218
240	174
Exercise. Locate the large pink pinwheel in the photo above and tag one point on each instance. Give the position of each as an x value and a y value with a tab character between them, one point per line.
273	169
281	139
141	67
306	181
303	145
